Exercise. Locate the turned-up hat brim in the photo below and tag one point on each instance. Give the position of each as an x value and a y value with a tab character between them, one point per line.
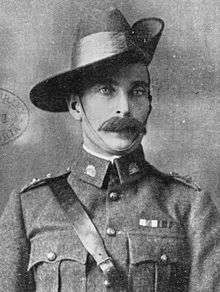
115	42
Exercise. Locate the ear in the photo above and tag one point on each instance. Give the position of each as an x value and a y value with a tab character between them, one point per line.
75	107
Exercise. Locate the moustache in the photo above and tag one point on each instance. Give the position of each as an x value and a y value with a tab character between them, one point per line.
125	124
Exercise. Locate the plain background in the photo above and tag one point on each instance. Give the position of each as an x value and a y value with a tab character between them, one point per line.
184	128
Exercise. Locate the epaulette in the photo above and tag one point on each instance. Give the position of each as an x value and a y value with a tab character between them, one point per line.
186	179
37	182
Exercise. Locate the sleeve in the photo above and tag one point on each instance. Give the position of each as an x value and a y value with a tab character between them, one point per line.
204	236
14	249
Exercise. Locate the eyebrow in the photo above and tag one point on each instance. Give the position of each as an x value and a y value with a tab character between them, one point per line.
107	80
140	83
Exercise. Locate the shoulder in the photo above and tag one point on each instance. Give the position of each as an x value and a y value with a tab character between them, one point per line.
173	179
44	182
176	192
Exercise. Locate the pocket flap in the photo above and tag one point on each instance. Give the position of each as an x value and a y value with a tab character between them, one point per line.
145	247
55	247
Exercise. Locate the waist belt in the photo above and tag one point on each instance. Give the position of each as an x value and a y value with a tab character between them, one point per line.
86	230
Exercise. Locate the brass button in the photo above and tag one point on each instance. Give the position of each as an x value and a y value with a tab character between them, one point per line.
114	196
164	258
51	256
111	231
90	170
107	284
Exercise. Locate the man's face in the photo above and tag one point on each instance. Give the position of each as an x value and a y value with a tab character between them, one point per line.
116	106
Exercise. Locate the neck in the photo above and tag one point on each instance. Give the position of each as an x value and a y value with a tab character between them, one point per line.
101	155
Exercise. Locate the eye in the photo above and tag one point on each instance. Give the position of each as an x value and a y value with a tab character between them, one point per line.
106	90
139	91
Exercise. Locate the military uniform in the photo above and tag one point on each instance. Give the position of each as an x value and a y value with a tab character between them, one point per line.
162	232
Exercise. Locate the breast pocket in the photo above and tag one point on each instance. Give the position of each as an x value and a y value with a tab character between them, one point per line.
58	263
158	263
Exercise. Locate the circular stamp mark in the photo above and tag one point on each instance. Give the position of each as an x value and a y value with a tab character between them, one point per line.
14	116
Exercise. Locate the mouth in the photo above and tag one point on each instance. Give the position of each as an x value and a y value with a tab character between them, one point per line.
125	131
126	134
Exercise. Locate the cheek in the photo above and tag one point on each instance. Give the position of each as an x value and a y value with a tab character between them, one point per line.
97	113
140	108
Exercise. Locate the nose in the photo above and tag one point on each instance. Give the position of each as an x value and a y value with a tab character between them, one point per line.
123	104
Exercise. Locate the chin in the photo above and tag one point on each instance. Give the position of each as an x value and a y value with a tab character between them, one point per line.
118	143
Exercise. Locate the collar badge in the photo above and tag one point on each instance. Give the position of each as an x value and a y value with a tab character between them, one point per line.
90	170
133	168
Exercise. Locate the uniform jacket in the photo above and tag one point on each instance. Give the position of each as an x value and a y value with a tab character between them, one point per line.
161	231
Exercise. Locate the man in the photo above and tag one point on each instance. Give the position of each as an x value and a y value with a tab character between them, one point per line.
113	222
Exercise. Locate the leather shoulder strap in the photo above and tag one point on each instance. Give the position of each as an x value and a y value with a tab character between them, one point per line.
84	227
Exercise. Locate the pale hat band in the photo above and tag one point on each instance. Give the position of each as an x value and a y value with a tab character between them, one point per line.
101	45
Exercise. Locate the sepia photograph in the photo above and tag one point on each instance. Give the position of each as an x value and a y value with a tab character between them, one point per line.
109	146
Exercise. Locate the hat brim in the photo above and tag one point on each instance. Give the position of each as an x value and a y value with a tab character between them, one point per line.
51	94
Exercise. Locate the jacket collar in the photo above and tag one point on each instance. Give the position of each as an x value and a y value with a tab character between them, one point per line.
93	170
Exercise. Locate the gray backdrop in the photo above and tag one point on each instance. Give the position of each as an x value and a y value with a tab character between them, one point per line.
183	130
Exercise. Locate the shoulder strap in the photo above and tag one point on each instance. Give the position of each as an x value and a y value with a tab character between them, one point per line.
186	179
85	229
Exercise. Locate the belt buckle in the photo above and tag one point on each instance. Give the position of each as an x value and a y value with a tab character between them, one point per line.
110	272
